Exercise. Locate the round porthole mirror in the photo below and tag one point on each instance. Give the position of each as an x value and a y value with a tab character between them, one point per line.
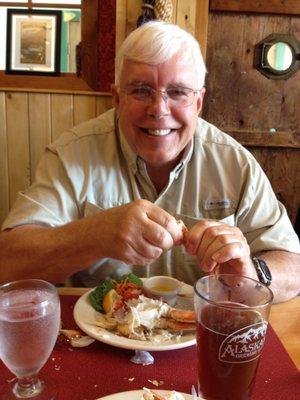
280	56
277	56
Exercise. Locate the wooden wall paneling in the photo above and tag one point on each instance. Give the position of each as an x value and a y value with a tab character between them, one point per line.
84	108
261	138
103	104
261	113
133	11
221	59
120	23
61	114
18	143
201	27
174	3
39	127
263	6
186	15
256	103
266	104
283	169
4	183
89	42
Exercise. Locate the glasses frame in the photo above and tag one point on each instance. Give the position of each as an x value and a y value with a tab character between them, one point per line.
163	94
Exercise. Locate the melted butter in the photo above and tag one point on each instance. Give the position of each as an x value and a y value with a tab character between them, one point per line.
162	288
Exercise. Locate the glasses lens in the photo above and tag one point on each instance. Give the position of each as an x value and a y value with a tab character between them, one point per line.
181	96
142	93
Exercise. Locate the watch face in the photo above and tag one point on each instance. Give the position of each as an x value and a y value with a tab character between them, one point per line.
262	270
265	269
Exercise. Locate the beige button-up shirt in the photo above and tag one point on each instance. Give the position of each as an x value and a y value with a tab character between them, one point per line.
92	168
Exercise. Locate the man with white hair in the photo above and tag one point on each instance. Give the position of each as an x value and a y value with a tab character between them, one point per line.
109	193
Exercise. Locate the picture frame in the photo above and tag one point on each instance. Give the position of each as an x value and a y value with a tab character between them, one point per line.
33	42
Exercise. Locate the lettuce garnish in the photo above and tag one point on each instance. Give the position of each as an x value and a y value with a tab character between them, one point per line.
97	295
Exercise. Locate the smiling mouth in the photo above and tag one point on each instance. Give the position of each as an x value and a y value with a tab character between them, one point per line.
158	132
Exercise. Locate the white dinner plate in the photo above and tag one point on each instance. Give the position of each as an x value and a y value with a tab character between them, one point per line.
137	394
85	316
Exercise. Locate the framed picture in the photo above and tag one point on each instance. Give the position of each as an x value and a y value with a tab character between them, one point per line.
33	42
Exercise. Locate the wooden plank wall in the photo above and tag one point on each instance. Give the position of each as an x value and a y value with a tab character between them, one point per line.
30	120
262	114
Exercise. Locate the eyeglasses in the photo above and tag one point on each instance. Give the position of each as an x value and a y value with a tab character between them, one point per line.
176	96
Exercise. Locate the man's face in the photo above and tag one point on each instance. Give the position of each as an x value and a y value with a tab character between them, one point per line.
158	131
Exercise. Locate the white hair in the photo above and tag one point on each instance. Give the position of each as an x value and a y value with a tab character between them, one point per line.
156	42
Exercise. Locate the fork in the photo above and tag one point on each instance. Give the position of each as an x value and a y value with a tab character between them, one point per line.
195	394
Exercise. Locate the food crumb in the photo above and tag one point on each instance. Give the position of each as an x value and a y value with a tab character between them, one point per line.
95	386
155	382
131	379
57	367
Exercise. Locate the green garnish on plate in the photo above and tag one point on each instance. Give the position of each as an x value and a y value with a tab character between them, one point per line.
97	295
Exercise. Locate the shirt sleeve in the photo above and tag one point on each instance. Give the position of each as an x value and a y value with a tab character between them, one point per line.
49	201
262	218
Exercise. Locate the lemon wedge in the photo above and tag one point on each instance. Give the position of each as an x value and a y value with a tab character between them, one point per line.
108	300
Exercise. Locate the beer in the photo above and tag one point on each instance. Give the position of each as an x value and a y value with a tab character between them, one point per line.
229	342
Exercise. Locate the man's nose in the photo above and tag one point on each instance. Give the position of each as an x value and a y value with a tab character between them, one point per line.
159	106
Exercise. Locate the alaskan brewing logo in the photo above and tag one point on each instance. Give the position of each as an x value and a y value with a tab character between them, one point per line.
243	345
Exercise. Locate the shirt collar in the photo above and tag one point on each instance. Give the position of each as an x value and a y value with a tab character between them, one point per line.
130	156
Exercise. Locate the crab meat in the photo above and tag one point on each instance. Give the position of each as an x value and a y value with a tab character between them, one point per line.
182	226
145	314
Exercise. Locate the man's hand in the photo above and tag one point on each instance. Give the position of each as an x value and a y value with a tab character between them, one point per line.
219	247
137	233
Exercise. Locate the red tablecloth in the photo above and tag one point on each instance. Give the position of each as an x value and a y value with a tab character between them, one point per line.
98	370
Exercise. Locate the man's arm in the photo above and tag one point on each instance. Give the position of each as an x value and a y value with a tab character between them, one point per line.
136	233
285	270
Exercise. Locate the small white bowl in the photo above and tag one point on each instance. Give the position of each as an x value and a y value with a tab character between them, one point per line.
165	288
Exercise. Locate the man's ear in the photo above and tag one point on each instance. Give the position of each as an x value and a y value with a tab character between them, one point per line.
116	96
200	99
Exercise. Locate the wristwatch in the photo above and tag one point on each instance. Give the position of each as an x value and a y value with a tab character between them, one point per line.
263	272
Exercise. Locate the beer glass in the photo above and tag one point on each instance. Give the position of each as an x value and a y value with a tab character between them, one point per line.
232	317
29	325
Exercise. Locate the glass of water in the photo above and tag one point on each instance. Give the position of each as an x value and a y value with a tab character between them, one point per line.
29	325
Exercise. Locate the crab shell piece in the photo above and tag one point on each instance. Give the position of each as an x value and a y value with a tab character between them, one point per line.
181	320
187	316
106	322
76	338
152	395
176	326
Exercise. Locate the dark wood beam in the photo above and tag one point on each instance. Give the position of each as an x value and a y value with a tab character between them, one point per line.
253	6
